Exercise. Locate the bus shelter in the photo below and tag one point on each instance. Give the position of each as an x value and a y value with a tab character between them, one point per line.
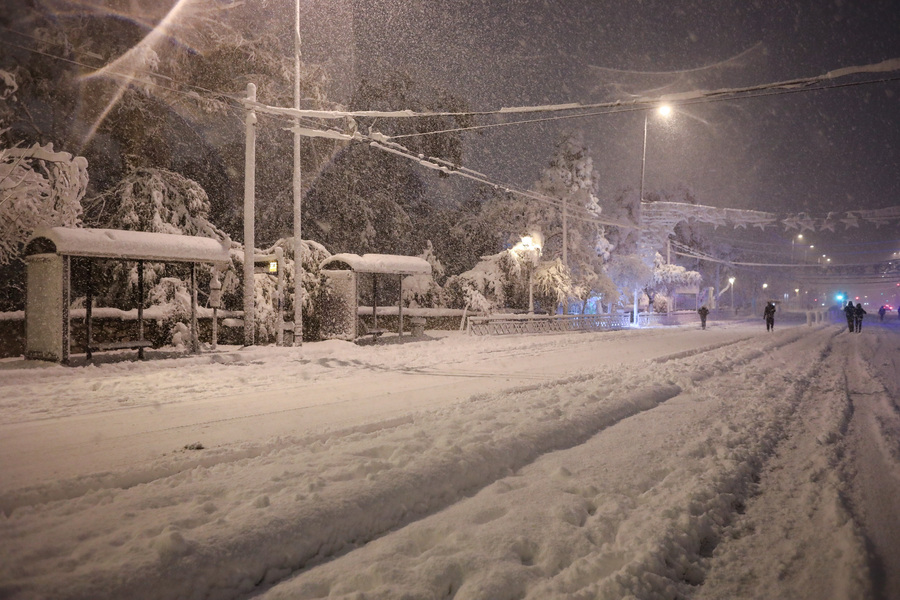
345	274
48	256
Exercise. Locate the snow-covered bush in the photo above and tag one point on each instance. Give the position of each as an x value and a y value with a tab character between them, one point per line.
173	297
265	287
422	290
490	283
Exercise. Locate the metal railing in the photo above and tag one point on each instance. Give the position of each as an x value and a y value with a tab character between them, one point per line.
508	324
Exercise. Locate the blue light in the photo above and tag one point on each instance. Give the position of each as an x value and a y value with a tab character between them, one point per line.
840	297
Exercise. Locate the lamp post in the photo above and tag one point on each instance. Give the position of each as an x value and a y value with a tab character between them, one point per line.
731	281
793	240
664	111
529	251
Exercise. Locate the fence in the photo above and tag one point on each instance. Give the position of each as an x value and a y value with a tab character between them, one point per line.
508	324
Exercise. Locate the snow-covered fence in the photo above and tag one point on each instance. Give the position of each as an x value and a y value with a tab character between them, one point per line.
661	319
510	324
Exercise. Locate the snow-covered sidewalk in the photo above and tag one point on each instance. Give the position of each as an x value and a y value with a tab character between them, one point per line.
656	463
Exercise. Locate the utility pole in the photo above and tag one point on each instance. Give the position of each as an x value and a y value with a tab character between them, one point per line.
298	191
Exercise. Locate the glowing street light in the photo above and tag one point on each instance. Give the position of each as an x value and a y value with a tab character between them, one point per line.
529	251
731	281
799	238
664	111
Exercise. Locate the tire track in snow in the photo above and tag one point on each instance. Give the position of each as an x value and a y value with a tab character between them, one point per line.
796	539
871	465
616	517
301	531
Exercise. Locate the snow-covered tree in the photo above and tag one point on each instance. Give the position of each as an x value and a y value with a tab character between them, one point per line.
630	274
667	277
153	200
488	285
368	200
38	188
570	180
552	284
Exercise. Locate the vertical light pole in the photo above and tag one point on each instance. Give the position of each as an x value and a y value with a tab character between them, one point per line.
731	283
298	194
529	250
793	240
663	111
249	218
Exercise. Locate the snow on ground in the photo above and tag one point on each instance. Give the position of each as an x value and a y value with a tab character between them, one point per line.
662	463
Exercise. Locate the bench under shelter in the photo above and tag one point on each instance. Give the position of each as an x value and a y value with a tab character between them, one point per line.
346	275
48	256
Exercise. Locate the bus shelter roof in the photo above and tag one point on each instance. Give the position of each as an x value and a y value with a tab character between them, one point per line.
378	263
127	245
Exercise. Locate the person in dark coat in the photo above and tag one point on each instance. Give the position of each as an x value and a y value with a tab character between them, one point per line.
850	312
858	317
881	312
703	312
769	316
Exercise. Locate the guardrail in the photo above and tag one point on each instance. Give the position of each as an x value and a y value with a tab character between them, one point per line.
505	325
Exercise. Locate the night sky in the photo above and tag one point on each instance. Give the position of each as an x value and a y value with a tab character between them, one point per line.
816	151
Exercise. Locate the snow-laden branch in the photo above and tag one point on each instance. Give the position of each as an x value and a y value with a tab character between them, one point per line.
38	187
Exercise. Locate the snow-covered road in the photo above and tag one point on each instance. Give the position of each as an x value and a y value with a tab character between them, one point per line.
726	463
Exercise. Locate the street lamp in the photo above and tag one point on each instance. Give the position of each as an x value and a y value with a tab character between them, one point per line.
731	283
793	240
529	251
664	111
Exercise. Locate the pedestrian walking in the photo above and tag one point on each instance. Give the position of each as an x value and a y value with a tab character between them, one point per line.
850	312
858	317
769	316
703	312
881	312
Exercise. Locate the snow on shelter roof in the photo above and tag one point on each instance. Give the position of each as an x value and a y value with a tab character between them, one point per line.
127	245
380	263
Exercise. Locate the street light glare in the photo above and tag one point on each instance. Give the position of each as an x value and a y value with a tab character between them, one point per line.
665	110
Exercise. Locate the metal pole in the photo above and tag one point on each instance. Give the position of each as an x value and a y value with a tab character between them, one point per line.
565	251
66	312
88	308
530	290
400	309
643	158
195	325
279	297
140	307
249	218
298	196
